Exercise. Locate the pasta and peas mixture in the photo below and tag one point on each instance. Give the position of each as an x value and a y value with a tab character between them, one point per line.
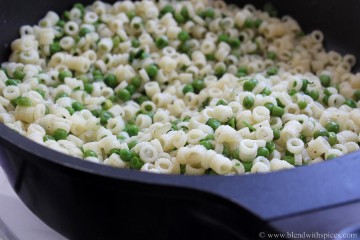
187	87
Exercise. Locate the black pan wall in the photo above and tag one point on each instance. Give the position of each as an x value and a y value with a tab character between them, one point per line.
335	18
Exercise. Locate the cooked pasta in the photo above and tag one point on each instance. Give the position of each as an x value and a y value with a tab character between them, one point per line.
181	87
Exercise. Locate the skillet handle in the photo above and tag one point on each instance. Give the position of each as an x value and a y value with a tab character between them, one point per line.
340	221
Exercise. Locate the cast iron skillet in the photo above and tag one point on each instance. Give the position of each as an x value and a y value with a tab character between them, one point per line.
83	200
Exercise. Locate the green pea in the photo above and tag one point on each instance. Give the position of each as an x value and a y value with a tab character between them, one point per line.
84	31
219	71
188	88
90	153
276	133
61	95
88	87
304	85
290	159
132	144
247	166
314	95
151	70
96	112
142	99
223	38
277	111
356	95
271	147
139	53
116	41
271	55
24	102
321	132
213	123
184	48
292	92
210	57
64	74
184	12
70	110
107	104
179	18
55	48
249	23
331	156
136	163
11	82
269	106
350	103
303	138
279	103
167	9
120	137
77	106
183	36
131	129
124	94
66	16
207	144
111	80
60	23
332	139
125	155
19	74
226	151
327	92
60	134
326	99
41	92
232	122
162	42
288	153
131	89
242	72
144	55
47	138
136	81
221	102
302	104
250	85
248	102
325	80
135	43
97	72
332	127
112	98
105	116
80	6
257	23
266	91
234	43
210	137
264	152
131	14
186	119
198	85
210	13
272	71
235	154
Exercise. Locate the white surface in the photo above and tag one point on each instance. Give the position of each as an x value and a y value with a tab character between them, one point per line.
16	221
